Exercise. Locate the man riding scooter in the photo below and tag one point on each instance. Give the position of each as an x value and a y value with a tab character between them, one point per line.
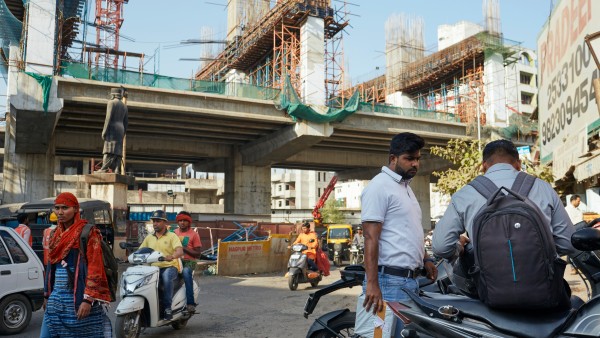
168	244
309	238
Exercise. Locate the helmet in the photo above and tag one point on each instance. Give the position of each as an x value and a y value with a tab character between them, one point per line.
358	228
159	214
53	218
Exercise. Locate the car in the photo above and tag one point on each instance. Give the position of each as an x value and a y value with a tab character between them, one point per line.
96	212
21	282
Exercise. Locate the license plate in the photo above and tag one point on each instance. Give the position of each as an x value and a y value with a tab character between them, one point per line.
295	256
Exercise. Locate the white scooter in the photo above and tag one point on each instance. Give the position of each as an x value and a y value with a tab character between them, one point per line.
139	289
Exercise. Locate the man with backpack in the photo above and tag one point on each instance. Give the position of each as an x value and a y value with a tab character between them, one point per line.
517	226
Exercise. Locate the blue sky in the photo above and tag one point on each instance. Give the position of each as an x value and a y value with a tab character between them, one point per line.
157	24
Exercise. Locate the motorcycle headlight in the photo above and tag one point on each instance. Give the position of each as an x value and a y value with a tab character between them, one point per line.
337	247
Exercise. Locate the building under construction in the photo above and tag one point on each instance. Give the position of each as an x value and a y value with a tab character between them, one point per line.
299	39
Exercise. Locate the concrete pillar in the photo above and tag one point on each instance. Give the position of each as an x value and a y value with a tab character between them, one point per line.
41	34
234	17
420	186
247	188
312	61
113	189
29	142
494	89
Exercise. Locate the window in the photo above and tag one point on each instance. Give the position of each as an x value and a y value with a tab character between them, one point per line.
526	98
287	187
4	259
319	192
318	176
279	187
324	177
287	202
279	203
18	255
101	216
525	78
525	59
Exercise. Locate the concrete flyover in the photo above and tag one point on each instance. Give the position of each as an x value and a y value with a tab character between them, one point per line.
170	126
244	138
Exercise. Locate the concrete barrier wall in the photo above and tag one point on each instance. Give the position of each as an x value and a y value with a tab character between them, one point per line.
238	258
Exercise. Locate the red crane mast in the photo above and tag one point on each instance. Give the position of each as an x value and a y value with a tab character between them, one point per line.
318	218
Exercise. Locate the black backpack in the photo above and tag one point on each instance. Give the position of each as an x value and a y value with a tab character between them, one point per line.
516	265
111	266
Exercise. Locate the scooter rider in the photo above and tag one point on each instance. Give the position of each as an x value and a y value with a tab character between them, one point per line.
168	244
305	238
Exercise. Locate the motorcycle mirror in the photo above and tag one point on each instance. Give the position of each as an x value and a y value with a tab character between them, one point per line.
586	239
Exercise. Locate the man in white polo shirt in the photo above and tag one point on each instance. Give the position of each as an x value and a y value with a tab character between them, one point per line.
394	239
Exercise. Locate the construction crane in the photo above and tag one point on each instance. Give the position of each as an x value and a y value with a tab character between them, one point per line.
109	18
318	218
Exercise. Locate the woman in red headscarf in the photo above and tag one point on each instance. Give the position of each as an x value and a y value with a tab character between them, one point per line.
75	286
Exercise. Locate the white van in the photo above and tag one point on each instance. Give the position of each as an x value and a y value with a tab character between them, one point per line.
21	282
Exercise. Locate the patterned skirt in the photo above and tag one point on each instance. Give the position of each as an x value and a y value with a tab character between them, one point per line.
61	318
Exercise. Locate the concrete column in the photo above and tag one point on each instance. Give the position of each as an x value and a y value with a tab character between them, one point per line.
113	189
312	61
29	144
420	186
41	34
247	188
494	89
234	16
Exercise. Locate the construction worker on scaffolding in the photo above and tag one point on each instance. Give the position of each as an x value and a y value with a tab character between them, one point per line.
309	238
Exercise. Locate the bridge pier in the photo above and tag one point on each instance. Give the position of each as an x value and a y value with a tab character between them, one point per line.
247	188
29	144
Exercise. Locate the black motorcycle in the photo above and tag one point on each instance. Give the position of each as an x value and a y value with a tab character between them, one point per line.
440	310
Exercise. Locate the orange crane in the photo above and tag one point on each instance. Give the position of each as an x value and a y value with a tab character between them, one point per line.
318	218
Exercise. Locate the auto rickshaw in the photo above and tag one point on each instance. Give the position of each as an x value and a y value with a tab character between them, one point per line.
339	238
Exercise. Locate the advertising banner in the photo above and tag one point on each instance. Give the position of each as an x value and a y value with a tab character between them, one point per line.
566	69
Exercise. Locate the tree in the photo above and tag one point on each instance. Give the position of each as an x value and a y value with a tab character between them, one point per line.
331	213
464	154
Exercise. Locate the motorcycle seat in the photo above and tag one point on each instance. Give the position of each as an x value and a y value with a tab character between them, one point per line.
531	324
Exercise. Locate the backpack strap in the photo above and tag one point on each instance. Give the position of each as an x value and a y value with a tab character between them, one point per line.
83	239
523	184
484	186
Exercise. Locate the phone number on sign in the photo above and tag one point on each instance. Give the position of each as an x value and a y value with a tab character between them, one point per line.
574	105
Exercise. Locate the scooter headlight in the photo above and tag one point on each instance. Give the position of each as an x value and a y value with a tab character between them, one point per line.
130	287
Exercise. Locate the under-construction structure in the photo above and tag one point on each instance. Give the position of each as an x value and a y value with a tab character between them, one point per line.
299	39
475	72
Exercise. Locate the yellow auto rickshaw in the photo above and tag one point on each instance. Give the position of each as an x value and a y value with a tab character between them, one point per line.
339	238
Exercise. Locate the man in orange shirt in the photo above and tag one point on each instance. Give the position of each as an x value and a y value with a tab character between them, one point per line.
23	228
305	238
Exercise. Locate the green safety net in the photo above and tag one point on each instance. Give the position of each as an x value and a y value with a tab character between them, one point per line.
10	29
290	102
45	82
408	112
127	77
518	125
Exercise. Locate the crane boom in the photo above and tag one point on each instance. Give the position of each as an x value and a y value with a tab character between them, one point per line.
318	218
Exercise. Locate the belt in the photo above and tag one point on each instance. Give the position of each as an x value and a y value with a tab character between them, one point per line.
400	272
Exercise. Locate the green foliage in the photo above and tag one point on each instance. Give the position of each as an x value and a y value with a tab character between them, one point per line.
331	212
464	154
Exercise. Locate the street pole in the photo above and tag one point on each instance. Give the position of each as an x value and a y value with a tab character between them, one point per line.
478	120
478	115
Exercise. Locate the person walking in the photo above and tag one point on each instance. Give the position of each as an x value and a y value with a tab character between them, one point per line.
75	284
191	249
394	240
47	234
572	208
23	228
